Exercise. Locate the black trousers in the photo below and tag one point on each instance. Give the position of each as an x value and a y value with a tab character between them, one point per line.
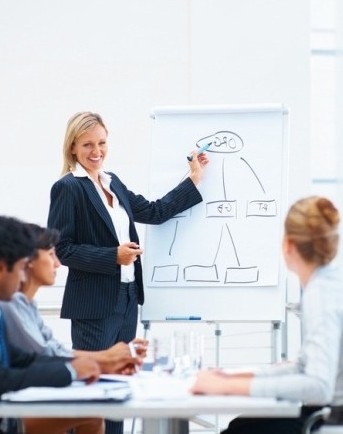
242	425
10	426
100	334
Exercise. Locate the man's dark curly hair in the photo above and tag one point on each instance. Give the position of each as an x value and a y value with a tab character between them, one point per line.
16	241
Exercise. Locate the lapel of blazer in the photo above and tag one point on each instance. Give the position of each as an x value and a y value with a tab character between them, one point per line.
98	203
117	188
123	200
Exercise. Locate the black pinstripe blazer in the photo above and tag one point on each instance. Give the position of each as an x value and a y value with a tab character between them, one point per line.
88	244
32	370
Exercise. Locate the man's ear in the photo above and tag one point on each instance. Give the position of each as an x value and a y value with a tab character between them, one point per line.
3	267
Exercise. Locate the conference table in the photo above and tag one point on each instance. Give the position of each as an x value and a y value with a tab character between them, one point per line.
164	405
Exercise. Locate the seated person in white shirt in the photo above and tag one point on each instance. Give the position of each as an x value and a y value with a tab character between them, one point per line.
309	246
26	328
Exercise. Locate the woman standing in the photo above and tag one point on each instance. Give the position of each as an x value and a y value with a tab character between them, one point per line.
316	378
95	214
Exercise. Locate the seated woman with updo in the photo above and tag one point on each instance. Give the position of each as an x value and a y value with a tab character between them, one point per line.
316	378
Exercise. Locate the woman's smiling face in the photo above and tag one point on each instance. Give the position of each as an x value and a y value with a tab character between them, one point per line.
90	149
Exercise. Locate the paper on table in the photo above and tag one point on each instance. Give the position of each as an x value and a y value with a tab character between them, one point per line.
117	378
151	386
78	391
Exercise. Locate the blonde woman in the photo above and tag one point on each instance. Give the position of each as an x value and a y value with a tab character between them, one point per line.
96	214
316	378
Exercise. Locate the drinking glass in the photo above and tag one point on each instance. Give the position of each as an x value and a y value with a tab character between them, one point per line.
187	352
163	361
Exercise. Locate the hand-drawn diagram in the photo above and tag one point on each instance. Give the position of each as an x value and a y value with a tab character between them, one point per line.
225	145
232	238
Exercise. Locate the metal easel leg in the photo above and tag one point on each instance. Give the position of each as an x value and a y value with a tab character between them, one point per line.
146	325
198	420
165	426
284	344
218	334
275	339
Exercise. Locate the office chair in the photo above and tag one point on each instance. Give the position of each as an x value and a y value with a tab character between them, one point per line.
332	418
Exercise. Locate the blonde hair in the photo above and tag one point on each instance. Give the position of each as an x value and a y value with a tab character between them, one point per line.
78	124
312	224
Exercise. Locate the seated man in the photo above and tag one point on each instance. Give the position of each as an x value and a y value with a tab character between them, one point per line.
19	369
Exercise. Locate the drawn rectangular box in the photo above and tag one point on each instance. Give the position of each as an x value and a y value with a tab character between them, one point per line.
221	208
241	275
165	273
261	208
201	273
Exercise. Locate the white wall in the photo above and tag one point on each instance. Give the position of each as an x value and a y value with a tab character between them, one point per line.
339	112
121	58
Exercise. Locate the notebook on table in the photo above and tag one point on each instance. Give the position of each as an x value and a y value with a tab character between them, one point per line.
101	391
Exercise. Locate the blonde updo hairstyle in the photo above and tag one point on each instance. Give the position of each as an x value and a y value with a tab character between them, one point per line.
312	224
78	124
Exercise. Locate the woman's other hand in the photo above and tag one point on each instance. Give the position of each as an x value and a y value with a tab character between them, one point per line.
127	253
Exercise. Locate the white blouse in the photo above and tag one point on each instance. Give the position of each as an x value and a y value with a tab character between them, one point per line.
117	213
316	378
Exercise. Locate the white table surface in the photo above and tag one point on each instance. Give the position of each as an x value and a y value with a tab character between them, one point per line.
154	398
156	409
